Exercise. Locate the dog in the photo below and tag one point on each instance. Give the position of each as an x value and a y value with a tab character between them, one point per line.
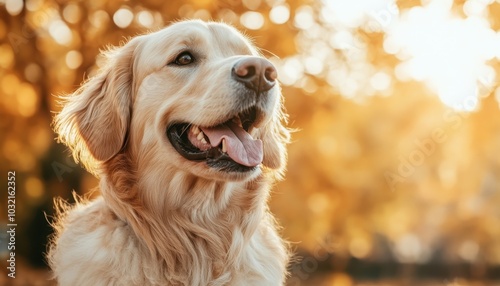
186	131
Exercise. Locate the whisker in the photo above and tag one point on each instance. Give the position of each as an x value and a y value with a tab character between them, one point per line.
265	51
186	128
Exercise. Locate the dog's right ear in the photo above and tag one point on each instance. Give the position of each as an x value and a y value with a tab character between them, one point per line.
94	120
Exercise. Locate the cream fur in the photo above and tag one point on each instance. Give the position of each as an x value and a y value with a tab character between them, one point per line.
162	219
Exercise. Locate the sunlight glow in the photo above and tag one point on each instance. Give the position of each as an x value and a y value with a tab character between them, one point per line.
476	8
304	18
355	13
380	81
290	70
313	65
448	53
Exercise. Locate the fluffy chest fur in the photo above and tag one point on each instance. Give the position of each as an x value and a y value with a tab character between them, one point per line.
236	246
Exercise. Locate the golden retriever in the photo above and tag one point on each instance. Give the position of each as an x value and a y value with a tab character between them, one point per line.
186	131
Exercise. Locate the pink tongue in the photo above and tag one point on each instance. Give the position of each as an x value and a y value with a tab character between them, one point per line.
241	147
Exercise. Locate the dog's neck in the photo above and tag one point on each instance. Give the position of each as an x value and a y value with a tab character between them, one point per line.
201	219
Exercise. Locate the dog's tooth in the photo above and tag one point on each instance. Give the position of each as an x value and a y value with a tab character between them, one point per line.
200	136
203	141
224	148
196	130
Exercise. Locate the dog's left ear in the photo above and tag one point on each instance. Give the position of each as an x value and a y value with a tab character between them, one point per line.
95	119
275	136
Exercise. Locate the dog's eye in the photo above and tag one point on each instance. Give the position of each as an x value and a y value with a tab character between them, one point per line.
184	58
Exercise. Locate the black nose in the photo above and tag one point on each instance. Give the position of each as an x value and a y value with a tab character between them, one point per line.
255	73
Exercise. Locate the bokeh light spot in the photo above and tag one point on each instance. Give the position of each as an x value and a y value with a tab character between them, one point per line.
32	72
27	100
145	19
408	248
202	14
380	81
60	32
252	4
10	148
252	20
33	5
34	188
279	14
6	56
468	250
497	95
186	11
359	247
308	85
327	146
475	7
99	18
228	16
41	18
74	59
313	65
40	138
72	13
10	83
14	7
339	279
123	17
304	18
318	203
290	70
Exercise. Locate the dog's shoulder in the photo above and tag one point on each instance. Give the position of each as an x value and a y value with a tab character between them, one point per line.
266	258
87	223
91	241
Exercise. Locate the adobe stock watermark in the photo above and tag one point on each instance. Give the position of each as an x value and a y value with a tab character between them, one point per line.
60	169
12	223
382	18
425	147
308	265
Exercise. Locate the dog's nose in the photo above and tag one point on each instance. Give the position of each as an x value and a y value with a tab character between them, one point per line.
255	73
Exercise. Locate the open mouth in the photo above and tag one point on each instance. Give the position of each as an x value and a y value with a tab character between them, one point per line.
227	146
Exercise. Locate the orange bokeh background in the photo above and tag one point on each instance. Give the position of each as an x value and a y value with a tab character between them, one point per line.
394	170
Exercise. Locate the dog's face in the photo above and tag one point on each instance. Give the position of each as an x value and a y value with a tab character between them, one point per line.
195	96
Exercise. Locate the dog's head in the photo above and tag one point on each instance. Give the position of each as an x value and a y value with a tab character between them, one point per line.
194	96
